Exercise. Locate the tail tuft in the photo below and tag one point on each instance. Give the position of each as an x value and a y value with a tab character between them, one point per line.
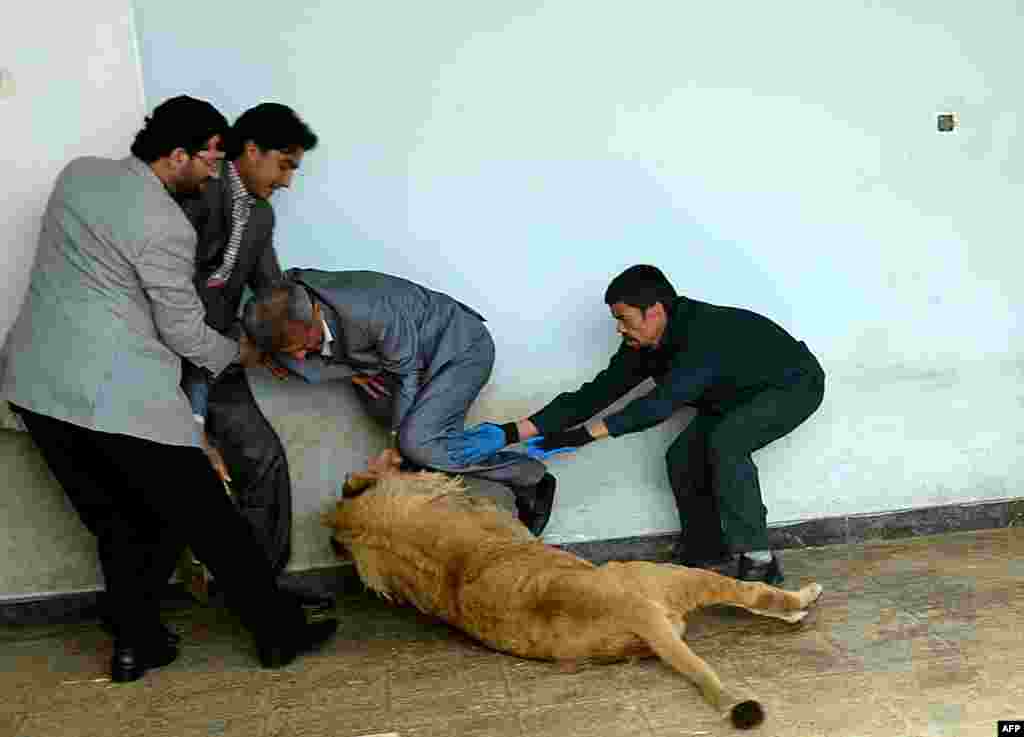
747	714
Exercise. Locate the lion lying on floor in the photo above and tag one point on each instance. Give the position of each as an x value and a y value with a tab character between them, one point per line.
418	538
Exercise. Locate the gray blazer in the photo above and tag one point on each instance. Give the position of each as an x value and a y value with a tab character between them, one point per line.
383	323
111	308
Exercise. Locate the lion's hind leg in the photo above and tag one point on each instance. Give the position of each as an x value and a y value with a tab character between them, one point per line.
664	638
683	589
769	601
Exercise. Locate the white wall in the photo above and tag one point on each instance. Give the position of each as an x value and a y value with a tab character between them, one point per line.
781	157
74	88
77	90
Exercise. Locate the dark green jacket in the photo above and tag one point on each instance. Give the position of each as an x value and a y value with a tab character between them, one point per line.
709	357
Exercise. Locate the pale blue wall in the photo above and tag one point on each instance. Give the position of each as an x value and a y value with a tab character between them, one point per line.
781	157
85	99
777	156
77	91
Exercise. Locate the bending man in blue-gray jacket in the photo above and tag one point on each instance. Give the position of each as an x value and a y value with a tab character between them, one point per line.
750	381
419	357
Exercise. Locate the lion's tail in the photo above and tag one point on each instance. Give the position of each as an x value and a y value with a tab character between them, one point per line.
656	629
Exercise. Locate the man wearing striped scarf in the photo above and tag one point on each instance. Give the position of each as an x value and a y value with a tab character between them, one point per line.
235	223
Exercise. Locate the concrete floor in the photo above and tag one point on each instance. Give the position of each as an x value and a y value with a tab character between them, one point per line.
917	637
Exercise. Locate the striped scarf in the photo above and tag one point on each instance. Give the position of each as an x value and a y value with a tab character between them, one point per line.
241	206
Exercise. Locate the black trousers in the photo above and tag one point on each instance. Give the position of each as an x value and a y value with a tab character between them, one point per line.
256	460
143	501
713	476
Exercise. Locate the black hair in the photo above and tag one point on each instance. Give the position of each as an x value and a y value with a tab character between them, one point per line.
641	286
269	125
179	122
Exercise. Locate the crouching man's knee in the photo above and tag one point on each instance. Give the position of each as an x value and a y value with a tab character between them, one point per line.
420	451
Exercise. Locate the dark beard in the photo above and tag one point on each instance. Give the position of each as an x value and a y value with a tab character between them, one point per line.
184	197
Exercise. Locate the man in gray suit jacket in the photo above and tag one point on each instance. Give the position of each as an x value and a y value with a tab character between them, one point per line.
94	369
420	356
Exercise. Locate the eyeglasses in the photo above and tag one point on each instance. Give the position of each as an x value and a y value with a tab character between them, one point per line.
210	158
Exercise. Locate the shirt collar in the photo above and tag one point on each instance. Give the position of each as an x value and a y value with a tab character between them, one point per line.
238	188
676	324
325	349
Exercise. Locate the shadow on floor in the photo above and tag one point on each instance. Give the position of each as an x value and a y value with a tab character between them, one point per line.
915	637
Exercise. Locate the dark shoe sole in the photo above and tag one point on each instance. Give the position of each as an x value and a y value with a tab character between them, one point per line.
316	603
277	656
543	503
317	633
769	573
313	601
313	635
131	668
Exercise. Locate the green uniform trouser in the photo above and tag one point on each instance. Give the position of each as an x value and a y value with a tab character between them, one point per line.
713	477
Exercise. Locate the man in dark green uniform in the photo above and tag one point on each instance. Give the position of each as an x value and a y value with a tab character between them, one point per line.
750	381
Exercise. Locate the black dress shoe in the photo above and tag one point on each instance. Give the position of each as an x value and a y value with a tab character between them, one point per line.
172	637
769	573
535	513
308	598
308	638
130	662
163	632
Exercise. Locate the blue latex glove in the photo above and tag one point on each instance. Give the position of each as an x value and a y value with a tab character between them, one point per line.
476	444
535	449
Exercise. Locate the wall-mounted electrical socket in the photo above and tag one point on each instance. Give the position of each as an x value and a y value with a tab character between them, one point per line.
948	122
6	83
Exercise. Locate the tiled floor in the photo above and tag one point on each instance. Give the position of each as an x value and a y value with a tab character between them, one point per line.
923	637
